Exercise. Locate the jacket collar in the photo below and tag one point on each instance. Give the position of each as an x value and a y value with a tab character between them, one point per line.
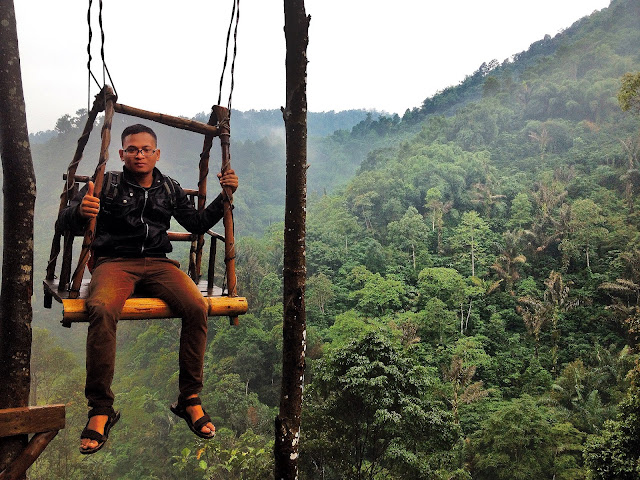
129	178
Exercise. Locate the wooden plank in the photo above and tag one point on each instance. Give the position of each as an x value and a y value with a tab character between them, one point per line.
37	444
147	308
21	420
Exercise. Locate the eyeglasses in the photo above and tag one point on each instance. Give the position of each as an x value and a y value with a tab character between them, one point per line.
133	151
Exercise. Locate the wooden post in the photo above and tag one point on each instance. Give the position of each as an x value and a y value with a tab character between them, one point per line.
109	100
98	106
222	114
287	423
32	451
19	187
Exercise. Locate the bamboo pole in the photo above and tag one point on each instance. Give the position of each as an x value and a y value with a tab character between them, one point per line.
98	106
109	100
222	114
171	121
195	257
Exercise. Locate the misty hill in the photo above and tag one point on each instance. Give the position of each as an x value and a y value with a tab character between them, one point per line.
249	125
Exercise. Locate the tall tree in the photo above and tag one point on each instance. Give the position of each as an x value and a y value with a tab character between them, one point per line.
508	264
409	233
471	239
433	201
554	304
586	230
19	189
287	424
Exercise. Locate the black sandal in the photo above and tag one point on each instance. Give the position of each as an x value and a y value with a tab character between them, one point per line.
93	435
179	408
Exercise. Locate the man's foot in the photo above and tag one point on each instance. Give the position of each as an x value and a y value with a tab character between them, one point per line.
96	432
96	423
196	413
191	411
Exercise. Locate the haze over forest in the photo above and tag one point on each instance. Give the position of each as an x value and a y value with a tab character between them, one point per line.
472	297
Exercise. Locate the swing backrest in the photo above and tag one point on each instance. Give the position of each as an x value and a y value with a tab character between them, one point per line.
73	287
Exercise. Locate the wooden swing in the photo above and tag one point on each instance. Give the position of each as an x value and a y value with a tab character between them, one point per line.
71	291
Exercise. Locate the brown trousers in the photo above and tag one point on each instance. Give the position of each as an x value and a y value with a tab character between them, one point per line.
112	282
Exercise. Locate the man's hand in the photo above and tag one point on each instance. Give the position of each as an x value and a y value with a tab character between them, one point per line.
229	180
90	205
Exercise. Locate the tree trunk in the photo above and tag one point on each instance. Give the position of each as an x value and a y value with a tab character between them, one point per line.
473	257
287	423
19	187
413	255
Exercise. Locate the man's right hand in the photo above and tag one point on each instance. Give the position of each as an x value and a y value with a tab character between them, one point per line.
90	205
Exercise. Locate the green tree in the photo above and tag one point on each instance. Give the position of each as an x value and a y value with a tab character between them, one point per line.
524	440
629	93
586	230
409	233
615	453
320	291
520	212
471	239
438	208
377	295
370	411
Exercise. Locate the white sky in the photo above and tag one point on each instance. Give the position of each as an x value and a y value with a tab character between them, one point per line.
166	56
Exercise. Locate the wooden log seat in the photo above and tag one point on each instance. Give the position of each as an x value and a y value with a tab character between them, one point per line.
141	308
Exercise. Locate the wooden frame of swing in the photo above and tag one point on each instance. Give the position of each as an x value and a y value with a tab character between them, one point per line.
71	290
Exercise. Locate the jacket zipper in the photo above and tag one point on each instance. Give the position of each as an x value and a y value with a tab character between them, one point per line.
146	225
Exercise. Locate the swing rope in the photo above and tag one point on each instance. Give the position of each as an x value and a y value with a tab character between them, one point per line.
235	11
105	69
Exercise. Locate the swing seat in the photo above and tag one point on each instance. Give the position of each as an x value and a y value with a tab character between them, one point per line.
143	308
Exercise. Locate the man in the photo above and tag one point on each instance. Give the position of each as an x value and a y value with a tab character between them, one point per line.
129	252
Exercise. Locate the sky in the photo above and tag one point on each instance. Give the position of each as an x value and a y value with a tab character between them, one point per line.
167	56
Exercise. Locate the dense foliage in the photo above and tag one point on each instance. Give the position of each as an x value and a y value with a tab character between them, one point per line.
473	289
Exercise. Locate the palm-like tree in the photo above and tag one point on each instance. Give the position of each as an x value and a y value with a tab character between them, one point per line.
509	262
625	295
484	197
552	219
537	313
463	389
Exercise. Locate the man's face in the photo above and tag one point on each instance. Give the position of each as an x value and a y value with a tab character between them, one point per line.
137	161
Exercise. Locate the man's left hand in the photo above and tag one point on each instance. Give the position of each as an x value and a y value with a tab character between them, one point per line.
229	180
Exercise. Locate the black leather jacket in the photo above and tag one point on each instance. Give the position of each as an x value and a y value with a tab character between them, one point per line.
135	222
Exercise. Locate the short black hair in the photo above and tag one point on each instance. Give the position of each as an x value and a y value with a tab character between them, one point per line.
138	128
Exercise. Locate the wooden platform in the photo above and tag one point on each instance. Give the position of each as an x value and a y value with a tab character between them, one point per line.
43	421
142	308
16	421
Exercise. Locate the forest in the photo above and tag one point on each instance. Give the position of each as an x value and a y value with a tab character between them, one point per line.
473	286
